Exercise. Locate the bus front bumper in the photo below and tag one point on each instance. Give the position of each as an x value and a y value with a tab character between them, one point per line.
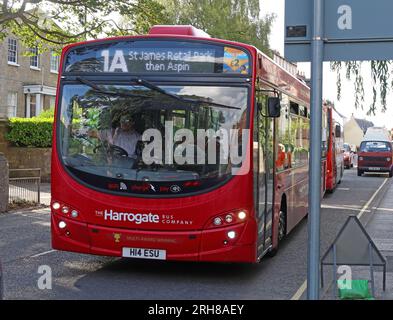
213	245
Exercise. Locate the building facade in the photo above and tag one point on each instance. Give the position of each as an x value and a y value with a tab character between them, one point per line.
27	83
355	129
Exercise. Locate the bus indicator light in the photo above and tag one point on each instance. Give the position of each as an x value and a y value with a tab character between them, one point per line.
74	214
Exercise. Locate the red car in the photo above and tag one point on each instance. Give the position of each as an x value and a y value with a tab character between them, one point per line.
348	156
375	156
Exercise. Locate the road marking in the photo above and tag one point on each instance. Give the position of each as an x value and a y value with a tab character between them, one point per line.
42	253
341	208
300	291
344	189
382	209
371	199
303	287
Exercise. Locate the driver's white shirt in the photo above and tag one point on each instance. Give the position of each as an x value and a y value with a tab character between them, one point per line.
126	140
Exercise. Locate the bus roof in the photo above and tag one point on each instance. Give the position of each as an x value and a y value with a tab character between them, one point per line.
183	30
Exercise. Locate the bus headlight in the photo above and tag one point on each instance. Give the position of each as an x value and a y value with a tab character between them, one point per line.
217	221
56	205
228	218
361	158
74	214
65	210
242	215
388	159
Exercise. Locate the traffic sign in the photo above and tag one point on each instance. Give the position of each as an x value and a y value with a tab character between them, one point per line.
353	30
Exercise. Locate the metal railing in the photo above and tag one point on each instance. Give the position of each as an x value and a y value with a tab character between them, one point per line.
24	185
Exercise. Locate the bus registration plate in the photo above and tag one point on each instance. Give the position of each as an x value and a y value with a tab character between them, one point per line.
374	169
144	253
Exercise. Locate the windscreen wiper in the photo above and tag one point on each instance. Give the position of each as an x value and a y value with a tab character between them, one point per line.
151	86
100	89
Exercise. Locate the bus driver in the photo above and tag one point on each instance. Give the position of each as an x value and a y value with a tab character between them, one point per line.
126	136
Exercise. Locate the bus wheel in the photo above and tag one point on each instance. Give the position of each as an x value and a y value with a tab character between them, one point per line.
360	173
282	230
282	226
391	173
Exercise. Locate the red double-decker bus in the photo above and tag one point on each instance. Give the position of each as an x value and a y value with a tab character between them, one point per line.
334	147
121	183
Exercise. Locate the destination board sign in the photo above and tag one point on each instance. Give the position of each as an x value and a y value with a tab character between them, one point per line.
157	57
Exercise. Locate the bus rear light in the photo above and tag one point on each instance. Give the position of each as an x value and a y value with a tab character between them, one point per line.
56	205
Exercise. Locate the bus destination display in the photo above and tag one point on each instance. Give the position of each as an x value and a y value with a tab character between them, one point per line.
158	57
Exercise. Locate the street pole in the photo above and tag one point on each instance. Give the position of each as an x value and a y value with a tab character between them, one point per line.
314	201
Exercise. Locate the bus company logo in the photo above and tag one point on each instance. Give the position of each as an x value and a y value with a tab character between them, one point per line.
99	213
137	218
175	188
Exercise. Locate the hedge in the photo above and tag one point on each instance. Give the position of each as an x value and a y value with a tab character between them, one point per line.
30	132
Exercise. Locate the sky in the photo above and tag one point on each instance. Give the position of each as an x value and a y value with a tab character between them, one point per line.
346	105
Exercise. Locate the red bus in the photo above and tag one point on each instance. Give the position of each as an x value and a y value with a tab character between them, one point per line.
107	199
335	146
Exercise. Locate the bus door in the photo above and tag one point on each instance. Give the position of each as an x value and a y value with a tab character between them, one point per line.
263	174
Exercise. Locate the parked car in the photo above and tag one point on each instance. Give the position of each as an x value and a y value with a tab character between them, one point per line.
375	155
349	156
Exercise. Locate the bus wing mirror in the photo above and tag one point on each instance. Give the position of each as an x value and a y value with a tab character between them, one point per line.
273	107
338	131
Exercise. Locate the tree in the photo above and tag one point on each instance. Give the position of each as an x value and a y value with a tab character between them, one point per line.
380	74
237	20
60	22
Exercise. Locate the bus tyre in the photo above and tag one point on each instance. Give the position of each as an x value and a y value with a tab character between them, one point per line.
391	173
360	172
282	230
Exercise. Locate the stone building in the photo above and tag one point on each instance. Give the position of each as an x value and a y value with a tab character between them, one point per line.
355	129
27	83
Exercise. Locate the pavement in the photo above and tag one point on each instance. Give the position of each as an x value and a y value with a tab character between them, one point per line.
45	194
25	249
380	228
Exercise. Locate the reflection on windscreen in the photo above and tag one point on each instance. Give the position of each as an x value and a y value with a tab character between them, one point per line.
101	134
375	146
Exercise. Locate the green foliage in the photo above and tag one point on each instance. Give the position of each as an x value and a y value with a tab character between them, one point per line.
237	20
58	22
30	132
381	81
47	114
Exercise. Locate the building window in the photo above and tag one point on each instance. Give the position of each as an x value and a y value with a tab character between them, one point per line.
54	62
12	51
34	58
12	104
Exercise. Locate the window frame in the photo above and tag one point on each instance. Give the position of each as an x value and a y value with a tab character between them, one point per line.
36	57
14	50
